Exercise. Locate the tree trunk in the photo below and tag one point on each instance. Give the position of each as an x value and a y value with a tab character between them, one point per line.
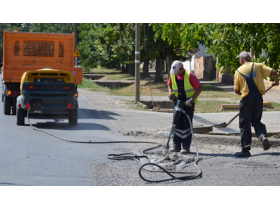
168	52
118	66
124	69
159	68
146	68
131	69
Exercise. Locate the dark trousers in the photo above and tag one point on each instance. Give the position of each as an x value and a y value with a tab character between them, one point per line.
251	108
183	135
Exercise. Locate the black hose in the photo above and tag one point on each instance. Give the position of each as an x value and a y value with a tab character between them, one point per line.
128	156
189	177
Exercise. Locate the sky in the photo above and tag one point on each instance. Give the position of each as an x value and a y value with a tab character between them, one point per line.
144	11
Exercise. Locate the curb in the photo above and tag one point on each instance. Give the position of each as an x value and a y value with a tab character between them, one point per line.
232	140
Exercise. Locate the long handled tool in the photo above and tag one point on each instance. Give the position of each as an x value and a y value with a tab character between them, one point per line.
224	125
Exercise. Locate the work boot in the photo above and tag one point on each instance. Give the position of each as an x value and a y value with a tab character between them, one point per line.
243	153
174	149
185	151
265	142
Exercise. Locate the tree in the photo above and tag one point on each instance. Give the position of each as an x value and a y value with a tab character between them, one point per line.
89	46
226	40
175	49
97	41
124	45
107	45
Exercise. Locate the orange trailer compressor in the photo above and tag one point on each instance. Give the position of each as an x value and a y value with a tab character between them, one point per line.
29	51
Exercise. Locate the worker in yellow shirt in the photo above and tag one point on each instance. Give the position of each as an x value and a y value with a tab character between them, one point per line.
248	82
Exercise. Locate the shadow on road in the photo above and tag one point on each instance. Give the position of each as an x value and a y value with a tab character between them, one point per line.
65	126
94	114
82	114
215	155
7	184
268	153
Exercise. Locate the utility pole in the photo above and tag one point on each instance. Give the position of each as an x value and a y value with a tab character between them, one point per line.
137	62
60	24
75	43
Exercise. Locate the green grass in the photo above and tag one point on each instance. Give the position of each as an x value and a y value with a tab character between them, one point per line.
105	71
116	74
218	95
276	105
209	106
88	84
211	88
210	91
157	89
120	76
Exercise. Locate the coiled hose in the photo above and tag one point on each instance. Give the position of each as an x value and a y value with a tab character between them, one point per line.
132	156
189	176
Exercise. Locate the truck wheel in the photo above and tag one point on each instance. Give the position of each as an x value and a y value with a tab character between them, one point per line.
20	116
14	107
73	117
7	105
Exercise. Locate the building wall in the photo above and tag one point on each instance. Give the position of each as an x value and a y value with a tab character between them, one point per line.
201	53
226	77
189	64
204	68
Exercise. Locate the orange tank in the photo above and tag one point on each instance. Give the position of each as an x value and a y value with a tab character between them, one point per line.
25	51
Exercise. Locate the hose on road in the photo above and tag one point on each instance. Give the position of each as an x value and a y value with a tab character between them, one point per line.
132	156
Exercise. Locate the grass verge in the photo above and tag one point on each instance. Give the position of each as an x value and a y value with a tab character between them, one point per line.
276	105
210	91
157	89
218	95
88	84
209	106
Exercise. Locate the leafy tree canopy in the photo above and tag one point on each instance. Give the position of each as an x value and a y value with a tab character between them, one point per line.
226	40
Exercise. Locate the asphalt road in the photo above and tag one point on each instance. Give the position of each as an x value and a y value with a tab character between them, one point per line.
32	158
218	163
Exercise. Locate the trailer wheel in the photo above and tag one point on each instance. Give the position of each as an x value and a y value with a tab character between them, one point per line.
73	117
14	107
7	105
20	116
